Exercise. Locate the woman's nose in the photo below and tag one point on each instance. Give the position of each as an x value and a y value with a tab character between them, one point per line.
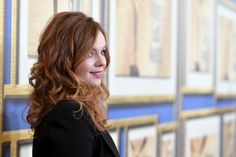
101	60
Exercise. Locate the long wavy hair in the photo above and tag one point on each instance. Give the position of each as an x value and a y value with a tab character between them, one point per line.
63	45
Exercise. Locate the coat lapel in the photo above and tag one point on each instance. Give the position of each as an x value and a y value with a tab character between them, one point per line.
110	143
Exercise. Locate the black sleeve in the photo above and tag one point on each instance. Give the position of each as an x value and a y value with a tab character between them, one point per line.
70	134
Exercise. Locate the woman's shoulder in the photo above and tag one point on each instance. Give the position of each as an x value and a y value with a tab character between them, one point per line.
69	108
66	117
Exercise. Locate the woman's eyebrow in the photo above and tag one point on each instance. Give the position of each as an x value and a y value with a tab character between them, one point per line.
95	49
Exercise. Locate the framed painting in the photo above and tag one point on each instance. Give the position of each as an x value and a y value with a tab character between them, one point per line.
132	128
167	144
200	35
32	18
142	47
167	140
226	54
229	134
140	143
38	14
200	140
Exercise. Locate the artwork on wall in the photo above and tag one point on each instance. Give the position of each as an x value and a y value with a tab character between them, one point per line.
142	46
38	15
200	43
142	144
143	41
227	31
28	36
200	139
167	145
167	140
229	134
226	54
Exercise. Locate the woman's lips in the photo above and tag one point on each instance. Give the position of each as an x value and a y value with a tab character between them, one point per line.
97	74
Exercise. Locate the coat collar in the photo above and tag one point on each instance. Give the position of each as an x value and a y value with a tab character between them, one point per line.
110	143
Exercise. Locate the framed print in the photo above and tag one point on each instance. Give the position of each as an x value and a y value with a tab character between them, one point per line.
200	18
38	14
200	139
142	47
136	125
229	134
32	18
167	144
226	54
167	140
142	144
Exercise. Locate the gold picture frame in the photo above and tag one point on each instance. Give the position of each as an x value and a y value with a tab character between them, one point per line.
198	138
140	143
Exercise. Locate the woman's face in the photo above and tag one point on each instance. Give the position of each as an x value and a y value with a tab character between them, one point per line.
93	66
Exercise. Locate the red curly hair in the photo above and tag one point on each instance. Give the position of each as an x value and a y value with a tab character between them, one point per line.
64	44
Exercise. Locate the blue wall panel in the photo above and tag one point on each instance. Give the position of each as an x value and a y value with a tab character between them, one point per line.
122	142
226	102
165	112
7	42
191	102
14	114
5	150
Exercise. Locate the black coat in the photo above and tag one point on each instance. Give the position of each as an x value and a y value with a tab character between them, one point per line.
65	132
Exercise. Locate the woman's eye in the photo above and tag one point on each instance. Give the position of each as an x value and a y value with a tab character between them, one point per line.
91	54
103	52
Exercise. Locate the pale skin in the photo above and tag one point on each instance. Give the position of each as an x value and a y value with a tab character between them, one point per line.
93	67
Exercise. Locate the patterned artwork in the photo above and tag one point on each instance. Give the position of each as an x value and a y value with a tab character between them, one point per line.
141	144
229	124
202	16
202	146
143	38
141	147
227	48
39	13
167	145
200	139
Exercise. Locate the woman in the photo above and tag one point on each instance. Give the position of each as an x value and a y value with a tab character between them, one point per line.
67	111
